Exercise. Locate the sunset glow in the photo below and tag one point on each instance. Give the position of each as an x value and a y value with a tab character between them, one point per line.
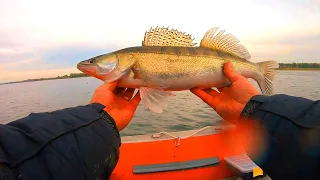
48	38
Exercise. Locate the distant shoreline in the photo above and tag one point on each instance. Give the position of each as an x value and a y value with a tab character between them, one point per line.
298	69
72	75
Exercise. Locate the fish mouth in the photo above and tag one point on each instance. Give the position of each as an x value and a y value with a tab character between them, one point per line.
89	68
85	63
88	64
85	66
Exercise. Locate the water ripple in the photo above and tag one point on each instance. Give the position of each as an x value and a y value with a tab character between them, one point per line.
185	111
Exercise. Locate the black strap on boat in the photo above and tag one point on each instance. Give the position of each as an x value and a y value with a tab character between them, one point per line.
152	168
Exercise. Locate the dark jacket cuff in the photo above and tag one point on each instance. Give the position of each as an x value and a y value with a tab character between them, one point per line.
254	104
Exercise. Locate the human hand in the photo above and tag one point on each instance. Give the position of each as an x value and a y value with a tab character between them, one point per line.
120	104
230	102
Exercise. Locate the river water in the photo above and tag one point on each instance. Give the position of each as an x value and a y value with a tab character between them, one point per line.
185	111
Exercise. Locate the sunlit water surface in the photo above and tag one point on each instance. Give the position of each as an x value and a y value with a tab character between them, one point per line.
185	111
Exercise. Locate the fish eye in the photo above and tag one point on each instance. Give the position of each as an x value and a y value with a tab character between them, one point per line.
92	60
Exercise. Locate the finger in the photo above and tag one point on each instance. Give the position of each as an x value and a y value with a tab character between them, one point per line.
119	91
136	100
222	89
128	93
116	90
198	92
211	101
207	90
211	92
108	86
230	73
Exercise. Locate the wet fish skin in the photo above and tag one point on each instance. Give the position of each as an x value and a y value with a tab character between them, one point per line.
168	61
180	68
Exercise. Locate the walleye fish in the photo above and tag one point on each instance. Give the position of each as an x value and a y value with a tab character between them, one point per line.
168	60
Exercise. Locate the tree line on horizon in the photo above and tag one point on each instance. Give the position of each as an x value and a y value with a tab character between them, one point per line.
72	75
76	75
299	65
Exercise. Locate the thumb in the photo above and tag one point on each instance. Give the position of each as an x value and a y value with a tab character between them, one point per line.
108	86
230	73
101	92
211	101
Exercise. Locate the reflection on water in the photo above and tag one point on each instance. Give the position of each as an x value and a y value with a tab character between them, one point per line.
185	111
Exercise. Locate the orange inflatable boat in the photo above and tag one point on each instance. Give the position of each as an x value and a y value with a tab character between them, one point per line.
212	152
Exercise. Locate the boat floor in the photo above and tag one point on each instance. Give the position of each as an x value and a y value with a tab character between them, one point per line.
165	136
214	129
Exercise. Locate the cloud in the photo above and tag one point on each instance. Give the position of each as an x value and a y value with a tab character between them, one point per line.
70	55
52	35
288	48
46	62
16	75
19	64
30	63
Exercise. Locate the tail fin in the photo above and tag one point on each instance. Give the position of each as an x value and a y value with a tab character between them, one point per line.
268	74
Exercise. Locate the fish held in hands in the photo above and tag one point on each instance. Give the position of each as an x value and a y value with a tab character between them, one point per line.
168	60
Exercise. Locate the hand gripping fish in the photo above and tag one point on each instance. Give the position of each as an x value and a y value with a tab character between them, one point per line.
168	60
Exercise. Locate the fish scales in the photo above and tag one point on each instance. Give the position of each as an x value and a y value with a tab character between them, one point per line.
176	62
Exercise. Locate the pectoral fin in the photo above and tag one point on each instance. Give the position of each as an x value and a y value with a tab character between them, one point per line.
155	99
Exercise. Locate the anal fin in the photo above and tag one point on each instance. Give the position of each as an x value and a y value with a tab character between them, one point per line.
155	99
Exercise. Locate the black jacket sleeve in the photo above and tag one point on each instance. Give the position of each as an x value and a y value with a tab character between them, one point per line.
293	135
74	143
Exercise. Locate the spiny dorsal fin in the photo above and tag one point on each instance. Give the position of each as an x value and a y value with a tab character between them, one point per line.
165	37
224	42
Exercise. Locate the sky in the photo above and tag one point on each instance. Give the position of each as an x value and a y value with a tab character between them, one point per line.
48	38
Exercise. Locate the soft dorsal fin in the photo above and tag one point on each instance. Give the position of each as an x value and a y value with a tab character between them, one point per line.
224	42
165	37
